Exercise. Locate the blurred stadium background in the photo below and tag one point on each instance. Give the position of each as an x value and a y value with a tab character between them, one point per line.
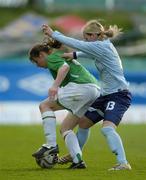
23	86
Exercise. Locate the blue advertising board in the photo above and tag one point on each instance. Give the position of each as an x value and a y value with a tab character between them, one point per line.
22	81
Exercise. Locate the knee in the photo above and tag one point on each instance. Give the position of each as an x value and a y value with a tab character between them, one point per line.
44	105
106	130
41	106
85	123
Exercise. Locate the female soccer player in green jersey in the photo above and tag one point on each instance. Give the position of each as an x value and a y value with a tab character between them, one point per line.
74	89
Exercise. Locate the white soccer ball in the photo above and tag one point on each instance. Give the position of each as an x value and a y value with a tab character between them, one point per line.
47	161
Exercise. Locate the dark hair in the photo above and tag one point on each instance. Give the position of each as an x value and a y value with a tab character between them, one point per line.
35	51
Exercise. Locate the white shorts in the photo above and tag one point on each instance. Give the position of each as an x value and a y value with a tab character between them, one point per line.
78	97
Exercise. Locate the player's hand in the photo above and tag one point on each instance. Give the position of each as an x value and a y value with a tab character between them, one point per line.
68	56
47	30
53	92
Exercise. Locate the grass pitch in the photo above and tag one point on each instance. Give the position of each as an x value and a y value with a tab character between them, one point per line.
17	143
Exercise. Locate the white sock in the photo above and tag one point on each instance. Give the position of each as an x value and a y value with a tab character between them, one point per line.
49	125
73	145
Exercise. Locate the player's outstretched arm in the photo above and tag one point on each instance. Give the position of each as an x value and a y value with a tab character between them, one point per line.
47	30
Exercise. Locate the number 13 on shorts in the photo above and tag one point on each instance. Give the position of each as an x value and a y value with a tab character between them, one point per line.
110	105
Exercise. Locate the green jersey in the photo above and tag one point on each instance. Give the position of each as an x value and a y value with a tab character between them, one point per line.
77	73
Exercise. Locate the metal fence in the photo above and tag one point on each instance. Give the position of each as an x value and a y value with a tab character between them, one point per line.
128	5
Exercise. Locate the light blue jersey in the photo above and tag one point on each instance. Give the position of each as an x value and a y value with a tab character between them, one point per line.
107	61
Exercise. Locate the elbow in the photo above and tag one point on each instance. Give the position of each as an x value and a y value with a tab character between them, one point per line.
66	68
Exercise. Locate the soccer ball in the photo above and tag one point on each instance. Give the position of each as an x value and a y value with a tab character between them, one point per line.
47	161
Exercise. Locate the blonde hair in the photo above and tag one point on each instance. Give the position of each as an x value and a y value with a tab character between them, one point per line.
52	43
94	26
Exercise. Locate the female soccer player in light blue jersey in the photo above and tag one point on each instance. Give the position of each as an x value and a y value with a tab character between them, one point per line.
115	97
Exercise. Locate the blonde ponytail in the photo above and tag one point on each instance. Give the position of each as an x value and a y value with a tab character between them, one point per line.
113	31
52	43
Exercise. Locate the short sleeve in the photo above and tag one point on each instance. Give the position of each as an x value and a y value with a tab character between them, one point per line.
55	62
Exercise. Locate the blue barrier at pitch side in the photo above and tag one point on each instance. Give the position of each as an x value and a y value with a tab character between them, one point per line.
22	81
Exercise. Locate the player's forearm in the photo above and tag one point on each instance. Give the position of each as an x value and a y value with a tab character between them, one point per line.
80	54
64	39
62	72
71	42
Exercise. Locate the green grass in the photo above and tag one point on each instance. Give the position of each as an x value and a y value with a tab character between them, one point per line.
18	142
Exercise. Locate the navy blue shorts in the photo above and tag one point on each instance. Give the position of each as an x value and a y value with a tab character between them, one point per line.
110	107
